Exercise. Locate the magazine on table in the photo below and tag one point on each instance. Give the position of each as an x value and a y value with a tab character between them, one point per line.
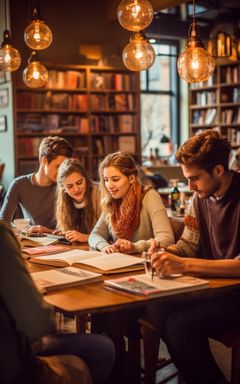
93	260
144	285
43	250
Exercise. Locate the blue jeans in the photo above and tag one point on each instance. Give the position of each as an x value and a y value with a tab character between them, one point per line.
186	324
96	350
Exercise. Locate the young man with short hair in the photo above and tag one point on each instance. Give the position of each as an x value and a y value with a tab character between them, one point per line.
209	246
35	193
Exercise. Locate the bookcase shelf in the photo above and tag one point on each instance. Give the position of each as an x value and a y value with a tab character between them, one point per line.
216	103
96	108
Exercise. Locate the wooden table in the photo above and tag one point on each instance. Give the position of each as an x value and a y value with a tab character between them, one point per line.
95	298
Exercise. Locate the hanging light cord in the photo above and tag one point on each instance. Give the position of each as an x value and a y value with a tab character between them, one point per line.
193	15
5	13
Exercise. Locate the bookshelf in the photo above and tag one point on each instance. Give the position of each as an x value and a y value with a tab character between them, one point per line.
95	108
216	103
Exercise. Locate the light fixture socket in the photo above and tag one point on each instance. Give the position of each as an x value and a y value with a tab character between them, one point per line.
36	14
194	40
6	38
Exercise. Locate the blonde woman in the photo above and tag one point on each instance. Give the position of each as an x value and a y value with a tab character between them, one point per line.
77	204
131	213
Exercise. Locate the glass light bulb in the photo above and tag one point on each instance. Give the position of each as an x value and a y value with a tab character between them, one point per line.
10	59
38	35
195	65
135	15
35	75
138	55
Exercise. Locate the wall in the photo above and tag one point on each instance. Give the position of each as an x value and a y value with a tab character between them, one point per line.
7	137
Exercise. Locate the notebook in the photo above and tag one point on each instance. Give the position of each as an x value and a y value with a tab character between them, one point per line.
63	278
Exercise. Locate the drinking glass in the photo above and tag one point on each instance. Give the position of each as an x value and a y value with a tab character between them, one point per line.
146	256
22	225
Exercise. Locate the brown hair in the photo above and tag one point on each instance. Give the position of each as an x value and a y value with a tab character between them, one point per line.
205	150
54	146
67	215
122	161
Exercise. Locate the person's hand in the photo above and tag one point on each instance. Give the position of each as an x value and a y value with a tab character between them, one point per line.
167	263
74	235
39	229
153	246
109	249
124	246
58	232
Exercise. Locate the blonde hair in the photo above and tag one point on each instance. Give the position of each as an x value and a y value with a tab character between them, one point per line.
126	164
67	216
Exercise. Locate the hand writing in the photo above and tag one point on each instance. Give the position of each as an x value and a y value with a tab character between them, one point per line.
167	263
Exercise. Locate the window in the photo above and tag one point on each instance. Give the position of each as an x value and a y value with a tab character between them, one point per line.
159	103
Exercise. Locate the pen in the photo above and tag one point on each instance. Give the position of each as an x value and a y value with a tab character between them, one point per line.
152	273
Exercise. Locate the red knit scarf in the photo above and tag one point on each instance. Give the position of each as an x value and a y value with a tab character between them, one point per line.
126	213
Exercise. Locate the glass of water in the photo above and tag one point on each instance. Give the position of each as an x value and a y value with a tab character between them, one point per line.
146	256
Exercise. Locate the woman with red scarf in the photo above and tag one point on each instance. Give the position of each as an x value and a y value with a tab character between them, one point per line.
131	213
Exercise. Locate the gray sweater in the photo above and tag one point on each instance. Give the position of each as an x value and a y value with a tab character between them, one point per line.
154	223
36	202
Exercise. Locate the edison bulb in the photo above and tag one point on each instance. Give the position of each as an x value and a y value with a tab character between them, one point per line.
138	55
10	59
135	15
38	35
35	75
195	65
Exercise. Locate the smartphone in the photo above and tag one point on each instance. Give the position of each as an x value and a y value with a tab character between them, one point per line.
60	238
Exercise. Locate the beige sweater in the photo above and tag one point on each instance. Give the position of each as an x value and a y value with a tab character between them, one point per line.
154	223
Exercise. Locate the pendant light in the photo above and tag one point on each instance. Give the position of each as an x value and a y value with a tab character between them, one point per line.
135	15
10	59
37	35
138	55
35	75
195	64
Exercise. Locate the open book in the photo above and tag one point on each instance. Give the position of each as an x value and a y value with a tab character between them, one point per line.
92	260
143	284
26	241
63	278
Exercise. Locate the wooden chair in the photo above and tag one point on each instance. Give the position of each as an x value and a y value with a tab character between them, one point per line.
231	339
152	362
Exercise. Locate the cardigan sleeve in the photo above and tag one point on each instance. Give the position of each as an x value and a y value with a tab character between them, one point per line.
189	241
100	234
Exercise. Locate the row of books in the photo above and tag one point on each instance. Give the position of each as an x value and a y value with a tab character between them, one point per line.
233	136
209	83
66	79
207	117
49	122
230	74
112	102
205	98
28	147
115	81
51	100
107	144
112	123
230	116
